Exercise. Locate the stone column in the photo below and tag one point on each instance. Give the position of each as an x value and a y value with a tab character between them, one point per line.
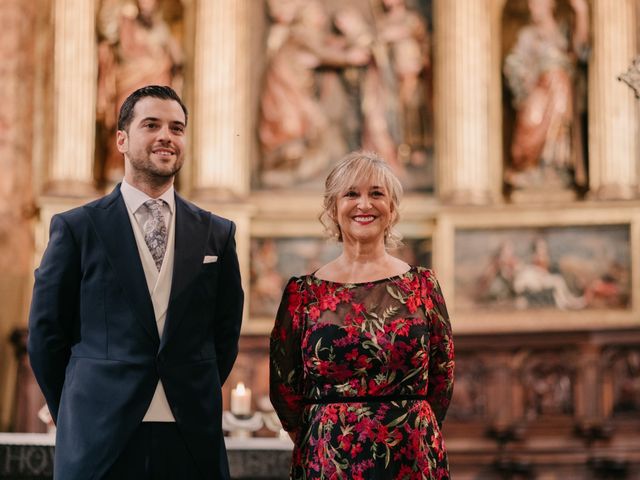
221	99
75	63
463	64
18	21
613	110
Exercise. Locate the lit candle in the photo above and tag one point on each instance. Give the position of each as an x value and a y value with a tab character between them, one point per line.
241	400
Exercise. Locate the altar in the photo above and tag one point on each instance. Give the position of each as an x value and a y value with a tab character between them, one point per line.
29	456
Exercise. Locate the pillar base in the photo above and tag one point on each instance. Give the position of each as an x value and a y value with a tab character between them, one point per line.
467	197
71	188
542	195
614	192
217	194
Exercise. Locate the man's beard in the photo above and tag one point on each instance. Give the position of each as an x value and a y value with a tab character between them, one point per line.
151	173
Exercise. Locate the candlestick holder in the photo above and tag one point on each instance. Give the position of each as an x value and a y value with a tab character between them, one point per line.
241	426
273	424
45	417
270	417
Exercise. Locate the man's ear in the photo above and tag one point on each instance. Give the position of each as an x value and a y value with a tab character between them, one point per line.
122	141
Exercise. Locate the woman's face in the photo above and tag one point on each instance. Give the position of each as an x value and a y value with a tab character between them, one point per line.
364	212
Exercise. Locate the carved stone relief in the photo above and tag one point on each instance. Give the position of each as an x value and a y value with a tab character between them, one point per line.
342	76
136	47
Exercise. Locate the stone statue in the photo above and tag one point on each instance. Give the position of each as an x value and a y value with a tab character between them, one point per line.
391	87
136	48
297	138
377	101
546	148
352	77
405	35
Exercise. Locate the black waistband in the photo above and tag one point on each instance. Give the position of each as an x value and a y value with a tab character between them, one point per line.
362	399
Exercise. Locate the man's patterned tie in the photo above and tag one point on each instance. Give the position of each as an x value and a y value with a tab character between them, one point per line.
155	231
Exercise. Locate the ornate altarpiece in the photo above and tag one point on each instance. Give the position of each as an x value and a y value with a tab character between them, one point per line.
541	376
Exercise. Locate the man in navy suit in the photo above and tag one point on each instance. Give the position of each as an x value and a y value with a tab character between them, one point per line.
136	314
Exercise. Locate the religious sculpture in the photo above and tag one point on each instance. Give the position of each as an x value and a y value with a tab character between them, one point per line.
375	98
546	147
297	139
330	88
405	35
136	48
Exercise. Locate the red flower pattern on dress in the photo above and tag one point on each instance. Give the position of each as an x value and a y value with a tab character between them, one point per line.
388	338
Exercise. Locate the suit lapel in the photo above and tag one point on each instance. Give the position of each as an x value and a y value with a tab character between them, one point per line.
111	222
190	241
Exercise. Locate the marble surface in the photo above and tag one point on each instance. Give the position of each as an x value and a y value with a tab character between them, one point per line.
29	456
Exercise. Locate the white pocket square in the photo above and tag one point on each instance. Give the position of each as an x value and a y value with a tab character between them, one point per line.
210	259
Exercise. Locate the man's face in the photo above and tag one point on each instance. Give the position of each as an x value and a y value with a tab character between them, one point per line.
153	145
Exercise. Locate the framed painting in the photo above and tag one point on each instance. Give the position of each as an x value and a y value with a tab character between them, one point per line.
536	271
295	248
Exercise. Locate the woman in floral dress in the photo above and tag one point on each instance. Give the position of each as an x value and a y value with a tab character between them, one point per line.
361	352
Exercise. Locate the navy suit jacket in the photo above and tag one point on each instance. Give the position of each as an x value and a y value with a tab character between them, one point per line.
94	345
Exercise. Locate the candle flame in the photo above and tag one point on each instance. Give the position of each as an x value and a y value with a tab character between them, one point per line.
240	388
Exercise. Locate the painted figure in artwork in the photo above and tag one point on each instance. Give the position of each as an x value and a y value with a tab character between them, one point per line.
531	283
266	280
136	48
546	147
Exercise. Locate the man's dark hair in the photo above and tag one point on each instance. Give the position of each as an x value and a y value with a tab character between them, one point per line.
155	91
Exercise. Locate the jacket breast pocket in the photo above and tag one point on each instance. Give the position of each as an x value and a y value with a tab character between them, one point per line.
209	277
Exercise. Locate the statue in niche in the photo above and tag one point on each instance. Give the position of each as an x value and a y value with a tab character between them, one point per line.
378	126
385	97
366	87
546	148
405	36
297	139
136	48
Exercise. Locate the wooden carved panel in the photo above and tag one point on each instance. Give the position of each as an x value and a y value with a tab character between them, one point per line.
548	380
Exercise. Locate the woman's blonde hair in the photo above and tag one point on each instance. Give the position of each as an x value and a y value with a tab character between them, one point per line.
353	167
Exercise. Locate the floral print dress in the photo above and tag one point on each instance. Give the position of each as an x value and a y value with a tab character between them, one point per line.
363	374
